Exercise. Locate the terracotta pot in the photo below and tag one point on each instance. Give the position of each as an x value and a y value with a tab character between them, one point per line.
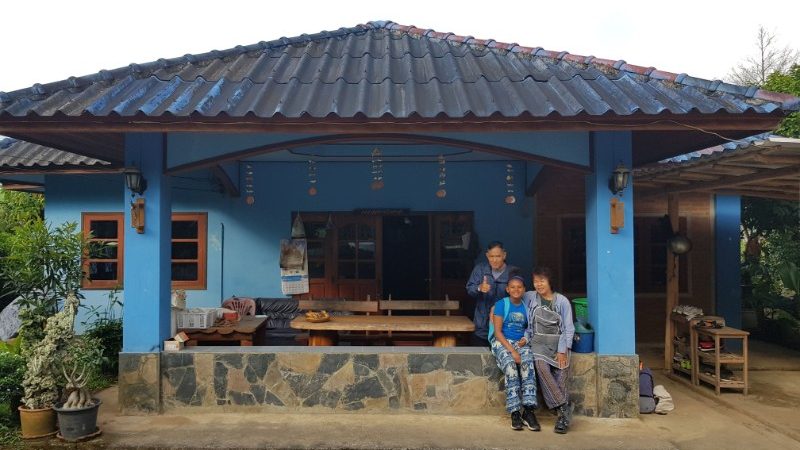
37	423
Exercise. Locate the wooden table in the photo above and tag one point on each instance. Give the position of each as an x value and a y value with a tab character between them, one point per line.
717	357
243	332
444	328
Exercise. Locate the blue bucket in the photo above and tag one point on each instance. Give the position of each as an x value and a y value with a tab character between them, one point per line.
583	341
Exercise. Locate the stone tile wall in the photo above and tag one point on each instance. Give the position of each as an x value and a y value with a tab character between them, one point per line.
356	379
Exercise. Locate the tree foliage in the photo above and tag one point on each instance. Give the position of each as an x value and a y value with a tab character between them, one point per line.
16	209
770	58
788	83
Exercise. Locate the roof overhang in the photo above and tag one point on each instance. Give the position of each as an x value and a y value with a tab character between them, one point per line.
768	168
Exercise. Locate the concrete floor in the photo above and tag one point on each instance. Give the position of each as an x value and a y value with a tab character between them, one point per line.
764	419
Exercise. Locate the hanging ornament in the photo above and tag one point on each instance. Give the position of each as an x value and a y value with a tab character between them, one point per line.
377	170
442	192
248	185
510	199
312	177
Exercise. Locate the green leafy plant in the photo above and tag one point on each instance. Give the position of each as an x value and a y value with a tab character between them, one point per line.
43	266
104	328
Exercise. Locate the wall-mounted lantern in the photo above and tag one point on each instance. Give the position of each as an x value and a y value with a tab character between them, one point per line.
137	184
617	183
619	179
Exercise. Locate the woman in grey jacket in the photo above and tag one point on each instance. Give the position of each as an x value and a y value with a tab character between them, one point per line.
551	330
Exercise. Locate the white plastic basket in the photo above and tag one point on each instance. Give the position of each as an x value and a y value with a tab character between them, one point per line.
196	318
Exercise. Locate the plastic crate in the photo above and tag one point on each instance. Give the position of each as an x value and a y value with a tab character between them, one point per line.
196	318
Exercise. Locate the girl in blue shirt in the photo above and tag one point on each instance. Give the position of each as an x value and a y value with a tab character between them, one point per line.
509	339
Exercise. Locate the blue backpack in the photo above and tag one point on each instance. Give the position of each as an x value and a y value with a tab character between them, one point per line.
507	306
647	400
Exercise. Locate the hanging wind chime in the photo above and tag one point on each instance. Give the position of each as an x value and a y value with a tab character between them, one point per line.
442	192
312	177
248	185
510	199
377	170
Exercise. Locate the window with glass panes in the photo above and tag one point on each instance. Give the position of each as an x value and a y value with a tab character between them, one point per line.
189	250
103	261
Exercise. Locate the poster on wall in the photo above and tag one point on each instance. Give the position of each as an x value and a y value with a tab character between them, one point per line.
294	266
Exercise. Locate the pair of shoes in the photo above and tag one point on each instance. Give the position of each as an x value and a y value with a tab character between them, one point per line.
516	420
562	422
529	419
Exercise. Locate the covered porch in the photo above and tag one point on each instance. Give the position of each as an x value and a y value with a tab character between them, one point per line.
232	142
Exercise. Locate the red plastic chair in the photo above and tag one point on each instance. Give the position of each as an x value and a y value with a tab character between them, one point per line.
243	306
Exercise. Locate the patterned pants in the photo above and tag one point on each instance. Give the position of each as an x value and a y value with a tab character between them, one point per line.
520	383
554	383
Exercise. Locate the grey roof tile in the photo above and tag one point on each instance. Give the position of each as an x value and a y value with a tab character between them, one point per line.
21	154
382	69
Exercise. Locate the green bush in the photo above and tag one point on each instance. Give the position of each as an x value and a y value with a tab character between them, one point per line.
105	328
12	369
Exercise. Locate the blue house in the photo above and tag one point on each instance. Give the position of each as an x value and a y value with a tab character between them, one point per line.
403	150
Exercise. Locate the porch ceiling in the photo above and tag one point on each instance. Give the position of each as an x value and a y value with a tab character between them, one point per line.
762	166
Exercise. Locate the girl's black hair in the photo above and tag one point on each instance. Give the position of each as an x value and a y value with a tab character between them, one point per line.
545	272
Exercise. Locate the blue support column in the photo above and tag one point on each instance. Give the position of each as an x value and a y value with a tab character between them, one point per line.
609	257
146	316
727	276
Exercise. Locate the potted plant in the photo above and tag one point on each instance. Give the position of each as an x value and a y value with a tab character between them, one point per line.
77	414
43	266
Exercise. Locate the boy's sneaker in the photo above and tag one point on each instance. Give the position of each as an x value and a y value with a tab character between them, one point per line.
529	419
516	420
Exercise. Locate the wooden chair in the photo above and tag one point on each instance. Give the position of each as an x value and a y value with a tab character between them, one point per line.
243	306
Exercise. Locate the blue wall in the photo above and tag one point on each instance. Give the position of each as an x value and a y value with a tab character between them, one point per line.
253	233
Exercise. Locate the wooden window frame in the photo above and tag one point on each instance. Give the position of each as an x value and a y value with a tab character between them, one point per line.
86	219
202	250
643	245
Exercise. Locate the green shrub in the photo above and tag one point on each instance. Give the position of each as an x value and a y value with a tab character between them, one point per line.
12	369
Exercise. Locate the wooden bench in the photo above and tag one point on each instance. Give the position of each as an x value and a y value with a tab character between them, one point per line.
418	307
339	305
444	328
244	332
335	305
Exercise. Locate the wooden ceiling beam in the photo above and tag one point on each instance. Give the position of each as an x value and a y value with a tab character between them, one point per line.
738	180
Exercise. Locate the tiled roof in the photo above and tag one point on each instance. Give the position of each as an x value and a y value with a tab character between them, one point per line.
25	155
765	165
718	150
383	69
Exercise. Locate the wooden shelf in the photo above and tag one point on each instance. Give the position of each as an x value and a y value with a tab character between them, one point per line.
732	384
724	358
717	358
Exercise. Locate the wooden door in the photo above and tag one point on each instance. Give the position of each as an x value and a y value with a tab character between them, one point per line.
357	256
453	254
319	239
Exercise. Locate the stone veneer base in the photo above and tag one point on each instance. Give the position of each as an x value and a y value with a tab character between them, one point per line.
461	380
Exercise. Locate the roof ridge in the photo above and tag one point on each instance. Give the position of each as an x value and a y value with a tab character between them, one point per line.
72	83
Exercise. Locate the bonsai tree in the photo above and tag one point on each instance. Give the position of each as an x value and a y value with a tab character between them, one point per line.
43	266
42	380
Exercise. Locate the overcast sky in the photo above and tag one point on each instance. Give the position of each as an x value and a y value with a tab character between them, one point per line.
46	41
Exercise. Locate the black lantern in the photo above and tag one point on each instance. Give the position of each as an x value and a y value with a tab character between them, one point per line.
679	244
134	180
619	179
